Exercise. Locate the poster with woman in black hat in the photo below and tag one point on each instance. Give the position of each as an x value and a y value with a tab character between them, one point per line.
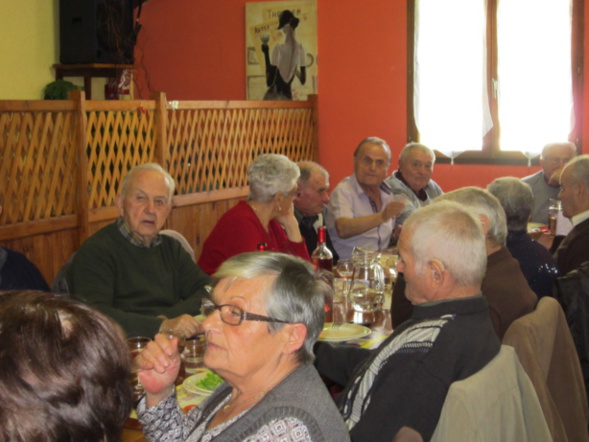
286	64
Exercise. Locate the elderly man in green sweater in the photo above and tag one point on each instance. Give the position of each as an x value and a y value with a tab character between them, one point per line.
145	281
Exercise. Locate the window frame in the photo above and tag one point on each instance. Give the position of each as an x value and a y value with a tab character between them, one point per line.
490	152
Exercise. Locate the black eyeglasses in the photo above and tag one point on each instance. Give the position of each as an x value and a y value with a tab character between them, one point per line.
233	315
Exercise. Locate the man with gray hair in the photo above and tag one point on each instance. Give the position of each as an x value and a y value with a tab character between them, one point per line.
413	181
545	183
504	285
403	383
362	209
574	194
534	259
310	204
145	281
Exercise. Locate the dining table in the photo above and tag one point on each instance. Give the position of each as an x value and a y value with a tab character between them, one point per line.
349	327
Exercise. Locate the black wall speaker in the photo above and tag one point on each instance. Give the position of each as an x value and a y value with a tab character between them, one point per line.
96	31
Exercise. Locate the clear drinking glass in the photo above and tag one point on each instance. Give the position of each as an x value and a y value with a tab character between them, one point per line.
340	305
136	345
553	211
193	354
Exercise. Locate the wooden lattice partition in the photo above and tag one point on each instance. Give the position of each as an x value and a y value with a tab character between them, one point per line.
61	162
211	144
37	162
117	139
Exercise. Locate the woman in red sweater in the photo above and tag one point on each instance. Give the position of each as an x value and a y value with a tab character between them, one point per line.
266	217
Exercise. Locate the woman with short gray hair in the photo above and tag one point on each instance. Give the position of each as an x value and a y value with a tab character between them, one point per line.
264	315
267	217
297	294
270	174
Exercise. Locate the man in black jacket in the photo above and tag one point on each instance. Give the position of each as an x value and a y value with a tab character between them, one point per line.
574	195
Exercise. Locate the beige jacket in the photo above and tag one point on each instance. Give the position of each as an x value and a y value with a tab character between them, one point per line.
496	404
543	343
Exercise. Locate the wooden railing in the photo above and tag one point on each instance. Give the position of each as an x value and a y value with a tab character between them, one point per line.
62	162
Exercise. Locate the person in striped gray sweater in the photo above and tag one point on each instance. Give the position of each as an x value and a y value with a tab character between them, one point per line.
403	383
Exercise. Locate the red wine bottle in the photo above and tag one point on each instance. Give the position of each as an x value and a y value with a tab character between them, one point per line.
322	257
323	260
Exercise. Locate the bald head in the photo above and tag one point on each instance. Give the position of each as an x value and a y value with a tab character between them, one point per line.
554	157
310	168
370	141
574	187
312	190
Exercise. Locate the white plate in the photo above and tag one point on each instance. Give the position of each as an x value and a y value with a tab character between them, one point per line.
191	383
343	332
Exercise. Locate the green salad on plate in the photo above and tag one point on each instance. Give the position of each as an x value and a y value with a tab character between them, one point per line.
210	382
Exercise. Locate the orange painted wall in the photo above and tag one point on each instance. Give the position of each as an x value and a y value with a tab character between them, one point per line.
194	50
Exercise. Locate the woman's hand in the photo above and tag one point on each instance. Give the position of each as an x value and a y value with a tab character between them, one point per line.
288	220
158	366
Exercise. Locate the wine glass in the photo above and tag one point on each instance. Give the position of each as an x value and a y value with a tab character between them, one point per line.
388	260
345	268
172	333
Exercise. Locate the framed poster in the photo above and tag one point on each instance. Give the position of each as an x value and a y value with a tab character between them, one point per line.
281	50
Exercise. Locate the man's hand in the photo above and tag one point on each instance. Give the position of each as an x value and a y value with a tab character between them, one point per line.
396	233
392	209
554	179
185	324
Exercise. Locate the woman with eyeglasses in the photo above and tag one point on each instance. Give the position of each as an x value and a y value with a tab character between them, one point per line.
265	314
267	216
